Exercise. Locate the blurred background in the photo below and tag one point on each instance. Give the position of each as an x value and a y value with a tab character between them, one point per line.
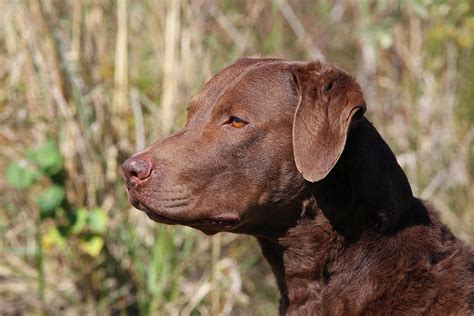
86	83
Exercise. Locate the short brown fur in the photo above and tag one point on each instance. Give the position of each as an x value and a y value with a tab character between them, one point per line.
310	177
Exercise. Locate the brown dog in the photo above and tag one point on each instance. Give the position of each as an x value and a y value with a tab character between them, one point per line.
282	151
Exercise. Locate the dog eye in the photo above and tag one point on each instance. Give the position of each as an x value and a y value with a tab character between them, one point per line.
236	122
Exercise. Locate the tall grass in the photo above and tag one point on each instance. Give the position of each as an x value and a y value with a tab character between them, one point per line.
102	79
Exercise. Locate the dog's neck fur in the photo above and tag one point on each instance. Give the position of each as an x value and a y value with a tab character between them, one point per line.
365	194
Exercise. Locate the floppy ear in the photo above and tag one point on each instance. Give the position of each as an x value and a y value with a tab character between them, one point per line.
329	101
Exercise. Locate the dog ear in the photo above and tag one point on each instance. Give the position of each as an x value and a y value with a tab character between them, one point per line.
329	101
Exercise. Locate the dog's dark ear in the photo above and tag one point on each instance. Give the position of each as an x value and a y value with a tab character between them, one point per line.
329	101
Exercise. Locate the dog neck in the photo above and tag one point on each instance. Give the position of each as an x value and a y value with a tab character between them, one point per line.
365	194
300	260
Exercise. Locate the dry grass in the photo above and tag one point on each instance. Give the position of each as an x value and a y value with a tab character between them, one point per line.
103	79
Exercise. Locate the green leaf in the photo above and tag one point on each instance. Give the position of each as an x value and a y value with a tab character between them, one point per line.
80	221
92	245
20	175
53	238
49	200
97	221
47	157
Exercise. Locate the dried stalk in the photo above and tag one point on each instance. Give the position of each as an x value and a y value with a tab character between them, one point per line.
170	61
120	99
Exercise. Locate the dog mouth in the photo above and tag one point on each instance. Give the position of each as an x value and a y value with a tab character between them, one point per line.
223	222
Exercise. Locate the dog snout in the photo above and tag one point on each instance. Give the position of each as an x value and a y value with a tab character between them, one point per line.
136	170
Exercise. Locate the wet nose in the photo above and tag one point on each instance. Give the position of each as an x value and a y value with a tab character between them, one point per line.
136	169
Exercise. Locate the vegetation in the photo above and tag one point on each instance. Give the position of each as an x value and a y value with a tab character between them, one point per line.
83	84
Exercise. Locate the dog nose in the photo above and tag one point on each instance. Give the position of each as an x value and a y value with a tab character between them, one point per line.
136	169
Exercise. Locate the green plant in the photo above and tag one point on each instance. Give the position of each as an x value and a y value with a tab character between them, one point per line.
42	171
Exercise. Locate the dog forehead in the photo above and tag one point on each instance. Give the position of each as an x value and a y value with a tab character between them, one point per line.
219	82
247	79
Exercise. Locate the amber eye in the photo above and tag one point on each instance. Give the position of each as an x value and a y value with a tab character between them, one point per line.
235	122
